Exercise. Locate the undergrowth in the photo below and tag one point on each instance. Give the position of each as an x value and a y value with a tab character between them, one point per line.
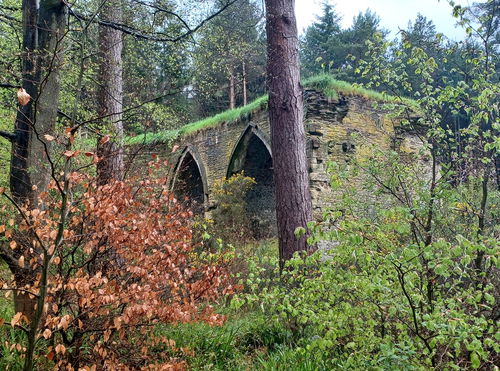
248	340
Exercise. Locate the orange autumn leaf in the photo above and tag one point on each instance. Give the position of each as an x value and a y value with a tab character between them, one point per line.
60	349
152	253
47	333
23	97
16	319
104	139
70	154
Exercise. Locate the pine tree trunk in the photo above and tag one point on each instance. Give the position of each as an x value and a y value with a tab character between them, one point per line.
110	94
43	32
232	94
245	97
291	178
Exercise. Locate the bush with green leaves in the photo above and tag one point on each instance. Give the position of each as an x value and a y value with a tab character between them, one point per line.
403	279
230	217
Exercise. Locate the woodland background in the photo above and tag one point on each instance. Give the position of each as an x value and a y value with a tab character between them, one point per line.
131	281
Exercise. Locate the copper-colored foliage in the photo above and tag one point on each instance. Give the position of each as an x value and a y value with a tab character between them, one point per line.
124	263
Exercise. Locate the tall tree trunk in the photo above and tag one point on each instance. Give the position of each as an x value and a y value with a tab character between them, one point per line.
110	94
43	32
245	97
288	141
232	94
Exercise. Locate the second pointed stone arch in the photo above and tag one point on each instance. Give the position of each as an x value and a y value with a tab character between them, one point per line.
189	182
252	155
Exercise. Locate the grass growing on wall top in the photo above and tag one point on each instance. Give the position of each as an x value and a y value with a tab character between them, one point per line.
228	116
331	87
324	83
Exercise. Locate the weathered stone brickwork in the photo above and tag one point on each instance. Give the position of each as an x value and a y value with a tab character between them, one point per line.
336	130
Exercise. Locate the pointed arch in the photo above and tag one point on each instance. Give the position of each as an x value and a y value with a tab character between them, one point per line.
239	152
252	155
190	182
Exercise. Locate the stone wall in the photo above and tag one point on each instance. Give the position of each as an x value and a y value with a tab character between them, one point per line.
336	130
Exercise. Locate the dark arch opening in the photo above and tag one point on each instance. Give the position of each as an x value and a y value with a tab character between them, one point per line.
252	157
188	185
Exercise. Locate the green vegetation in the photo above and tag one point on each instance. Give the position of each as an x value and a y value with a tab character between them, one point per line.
324	83
406	274
331	87
228	117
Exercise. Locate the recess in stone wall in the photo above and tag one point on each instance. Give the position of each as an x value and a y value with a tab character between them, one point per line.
253	157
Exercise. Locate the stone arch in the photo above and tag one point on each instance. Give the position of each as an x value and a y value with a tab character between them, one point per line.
189	183
252	155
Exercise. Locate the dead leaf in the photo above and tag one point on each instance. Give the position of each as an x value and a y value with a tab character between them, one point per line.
16	319
104	140
49	138
23	97
70	154
60	348
47	333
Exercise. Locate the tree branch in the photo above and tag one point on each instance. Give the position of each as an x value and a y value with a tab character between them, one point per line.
9	136
158	37
9	86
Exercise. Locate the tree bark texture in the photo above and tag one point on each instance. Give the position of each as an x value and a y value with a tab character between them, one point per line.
30	170
110	94
43	32
288	141
245	95
232	91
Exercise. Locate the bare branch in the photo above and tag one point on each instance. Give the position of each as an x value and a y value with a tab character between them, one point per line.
158	37
9	86
9	136
8	258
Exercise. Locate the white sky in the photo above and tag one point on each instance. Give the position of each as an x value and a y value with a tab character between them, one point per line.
394	14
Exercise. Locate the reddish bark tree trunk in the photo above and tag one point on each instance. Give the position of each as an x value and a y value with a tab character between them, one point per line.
110	94
232	94
245	95
291	178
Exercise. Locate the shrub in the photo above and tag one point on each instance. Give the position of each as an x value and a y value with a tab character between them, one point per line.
392	291
230	218
107	264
